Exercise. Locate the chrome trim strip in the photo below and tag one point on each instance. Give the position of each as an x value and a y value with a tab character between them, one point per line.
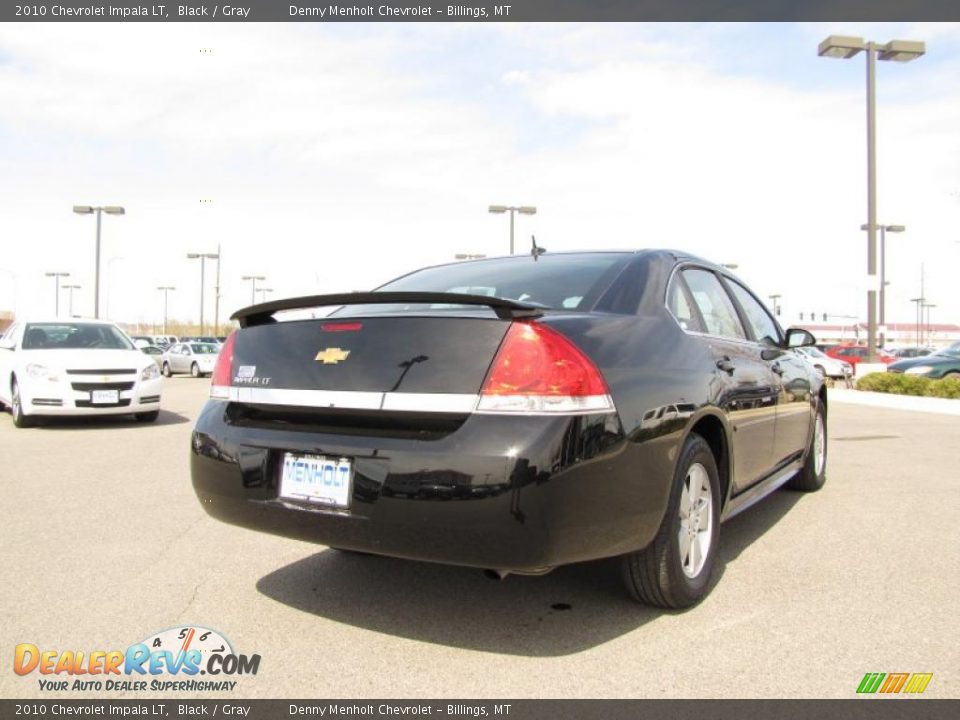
430	402
349	399
459	403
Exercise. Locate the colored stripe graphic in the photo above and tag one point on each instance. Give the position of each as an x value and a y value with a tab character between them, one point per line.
870	682
894	682
918	683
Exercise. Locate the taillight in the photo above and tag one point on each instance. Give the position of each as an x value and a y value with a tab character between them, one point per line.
539	371
222	377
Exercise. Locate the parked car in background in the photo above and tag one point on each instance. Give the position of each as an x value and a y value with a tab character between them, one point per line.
75	367
939	364
855	354
902	353
141	341
517	414
155	353
196	358
826	365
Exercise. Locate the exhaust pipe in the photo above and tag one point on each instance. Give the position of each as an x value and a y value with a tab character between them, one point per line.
495	574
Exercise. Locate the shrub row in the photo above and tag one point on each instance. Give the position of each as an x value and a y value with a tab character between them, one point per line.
903	384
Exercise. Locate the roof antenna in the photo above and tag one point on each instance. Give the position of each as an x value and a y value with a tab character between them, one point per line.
536	251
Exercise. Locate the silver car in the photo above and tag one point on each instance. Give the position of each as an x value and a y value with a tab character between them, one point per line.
826	365
195	358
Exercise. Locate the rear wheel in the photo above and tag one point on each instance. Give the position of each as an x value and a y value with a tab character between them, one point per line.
814	472
166	370
195	370
16	408
674	570
147	417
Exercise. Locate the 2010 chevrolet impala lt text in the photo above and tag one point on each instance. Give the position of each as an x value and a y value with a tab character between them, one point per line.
516	414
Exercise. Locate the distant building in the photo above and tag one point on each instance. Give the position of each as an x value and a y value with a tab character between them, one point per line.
934	334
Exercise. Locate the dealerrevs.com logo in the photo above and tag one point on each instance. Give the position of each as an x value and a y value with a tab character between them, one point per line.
182	659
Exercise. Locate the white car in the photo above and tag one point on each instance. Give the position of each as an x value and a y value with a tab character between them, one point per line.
196	358
75	367
826	365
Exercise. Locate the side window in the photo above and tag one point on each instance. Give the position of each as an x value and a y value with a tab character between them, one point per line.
714	304
763	326
679	306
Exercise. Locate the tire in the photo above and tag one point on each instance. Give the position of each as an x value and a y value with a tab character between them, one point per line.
20	420
195	370
814	473
166	370
147	417
663	574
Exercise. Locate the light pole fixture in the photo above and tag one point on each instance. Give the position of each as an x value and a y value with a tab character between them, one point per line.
56	276
522	209
845	47
71	288
165	289
89	210
884	229
775	306
203	258
263	293
253	286
730	266
469	256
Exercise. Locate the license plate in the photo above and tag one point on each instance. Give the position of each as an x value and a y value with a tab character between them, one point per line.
316	478
105	397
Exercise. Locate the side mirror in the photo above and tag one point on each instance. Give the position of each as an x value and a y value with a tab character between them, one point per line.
798	337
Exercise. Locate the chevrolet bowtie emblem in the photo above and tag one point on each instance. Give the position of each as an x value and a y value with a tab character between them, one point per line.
331	356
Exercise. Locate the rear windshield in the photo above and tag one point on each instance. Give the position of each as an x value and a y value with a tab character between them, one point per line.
74	336
556	282
204	349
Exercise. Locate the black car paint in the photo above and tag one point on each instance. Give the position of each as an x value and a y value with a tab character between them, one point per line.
527	493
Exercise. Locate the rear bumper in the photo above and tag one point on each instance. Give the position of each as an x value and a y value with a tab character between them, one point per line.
509	493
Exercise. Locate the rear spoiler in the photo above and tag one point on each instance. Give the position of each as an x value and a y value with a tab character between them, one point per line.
505	309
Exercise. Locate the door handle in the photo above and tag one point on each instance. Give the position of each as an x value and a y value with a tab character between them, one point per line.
777	369
725	365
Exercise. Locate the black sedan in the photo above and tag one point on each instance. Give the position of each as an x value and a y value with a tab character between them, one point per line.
516	414
938	364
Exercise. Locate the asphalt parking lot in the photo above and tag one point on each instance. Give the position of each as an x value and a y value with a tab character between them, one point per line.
103	543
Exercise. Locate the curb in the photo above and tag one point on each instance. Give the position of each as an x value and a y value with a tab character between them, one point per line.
940	406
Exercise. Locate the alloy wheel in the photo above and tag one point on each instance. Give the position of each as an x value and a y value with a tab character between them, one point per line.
696	520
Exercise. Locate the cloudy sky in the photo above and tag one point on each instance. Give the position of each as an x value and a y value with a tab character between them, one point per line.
334	157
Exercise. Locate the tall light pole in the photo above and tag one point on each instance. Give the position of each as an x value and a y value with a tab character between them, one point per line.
89	210
919	301
56	276
71	288
522	209
203	275
884	229
253	286
845	47
263	293
926	306
165	289
773	302
216	297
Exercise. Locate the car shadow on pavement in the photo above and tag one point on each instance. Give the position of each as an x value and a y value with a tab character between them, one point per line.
572	609
167	417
